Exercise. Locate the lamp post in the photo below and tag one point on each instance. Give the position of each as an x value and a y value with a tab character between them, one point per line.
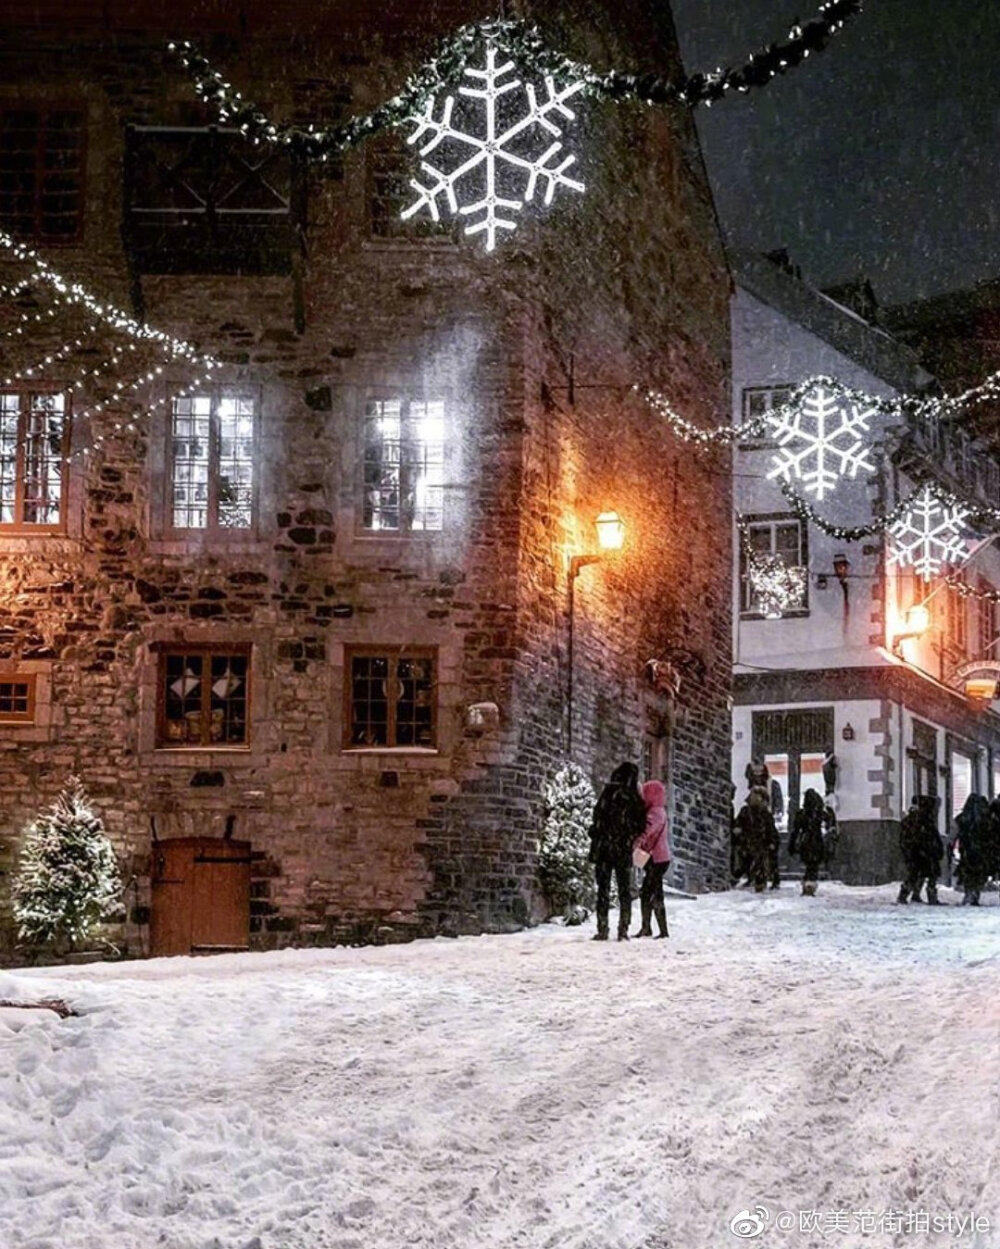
918	621
610	537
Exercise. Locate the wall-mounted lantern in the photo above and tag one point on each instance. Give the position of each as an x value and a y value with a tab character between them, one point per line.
610	537
917	620
847	732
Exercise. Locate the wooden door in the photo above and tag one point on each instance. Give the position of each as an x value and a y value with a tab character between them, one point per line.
200	896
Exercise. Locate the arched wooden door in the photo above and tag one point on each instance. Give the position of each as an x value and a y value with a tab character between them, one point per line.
200	896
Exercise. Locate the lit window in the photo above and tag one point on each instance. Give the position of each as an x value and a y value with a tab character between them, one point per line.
212	461
987	621
41	173
17	700
403	464
204	697
390	698
784	537
34	444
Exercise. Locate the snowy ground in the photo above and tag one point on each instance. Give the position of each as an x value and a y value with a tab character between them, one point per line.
835	1061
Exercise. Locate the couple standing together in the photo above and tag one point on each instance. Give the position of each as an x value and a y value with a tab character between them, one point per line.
630	818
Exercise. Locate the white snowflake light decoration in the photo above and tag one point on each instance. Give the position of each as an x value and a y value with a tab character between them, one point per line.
823	439
930	535
503	162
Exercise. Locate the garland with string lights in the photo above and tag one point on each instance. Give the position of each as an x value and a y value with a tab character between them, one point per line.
776	584
528	47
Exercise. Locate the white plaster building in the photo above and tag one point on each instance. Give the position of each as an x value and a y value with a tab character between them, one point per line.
835	676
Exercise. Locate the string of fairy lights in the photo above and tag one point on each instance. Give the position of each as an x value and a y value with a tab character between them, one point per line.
527	45
120	392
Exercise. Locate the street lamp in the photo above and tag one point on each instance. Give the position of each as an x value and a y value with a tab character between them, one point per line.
918	621
610	537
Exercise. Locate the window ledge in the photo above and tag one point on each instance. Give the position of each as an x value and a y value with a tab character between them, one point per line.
202	750
799	613
390	750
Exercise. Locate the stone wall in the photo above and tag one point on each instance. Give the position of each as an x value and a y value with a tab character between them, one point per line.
534	352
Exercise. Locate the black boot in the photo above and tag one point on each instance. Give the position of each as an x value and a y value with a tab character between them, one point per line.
600	936
904	895
660	911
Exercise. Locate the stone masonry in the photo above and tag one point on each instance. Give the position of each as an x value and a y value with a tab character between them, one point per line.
534	351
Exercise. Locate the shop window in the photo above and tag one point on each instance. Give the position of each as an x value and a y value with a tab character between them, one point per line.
390	697
204	696
34	455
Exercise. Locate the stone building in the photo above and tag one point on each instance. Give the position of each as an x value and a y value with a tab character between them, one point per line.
301	623
842	691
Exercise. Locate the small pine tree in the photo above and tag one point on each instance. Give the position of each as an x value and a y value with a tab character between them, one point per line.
564	870
67	880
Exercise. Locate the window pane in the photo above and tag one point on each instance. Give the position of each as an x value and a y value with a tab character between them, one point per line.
190	433
414	706
42	471
229	690
182	698
15	699
369	701
382	464
41	172
10	408
425	470
235	462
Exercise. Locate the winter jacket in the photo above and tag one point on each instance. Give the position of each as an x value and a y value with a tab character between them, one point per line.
919	840
619	817
807	839
974	827
655	839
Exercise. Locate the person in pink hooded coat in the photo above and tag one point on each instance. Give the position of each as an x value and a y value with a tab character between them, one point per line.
656	842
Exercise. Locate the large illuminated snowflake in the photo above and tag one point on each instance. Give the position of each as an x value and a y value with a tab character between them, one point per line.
505	163
930	535
823	438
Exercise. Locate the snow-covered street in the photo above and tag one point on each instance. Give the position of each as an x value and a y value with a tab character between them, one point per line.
835	1061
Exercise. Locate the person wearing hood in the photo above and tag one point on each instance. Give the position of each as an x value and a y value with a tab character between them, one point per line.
619	820
655	842
808	839
759	836
972	847
921	849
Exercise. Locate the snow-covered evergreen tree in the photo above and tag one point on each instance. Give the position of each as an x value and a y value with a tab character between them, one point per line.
564	870
67	879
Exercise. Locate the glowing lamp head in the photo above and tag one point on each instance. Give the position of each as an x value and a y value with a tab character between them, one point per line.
918	619
610	531
981	688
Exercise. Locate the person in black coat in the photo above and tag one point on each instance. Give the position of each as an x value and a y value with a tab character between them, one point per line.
921	849
973	842
808	839
759	838
619	820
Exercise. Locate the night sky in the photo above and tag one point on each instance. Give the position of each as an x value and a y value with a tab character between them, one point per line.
879	157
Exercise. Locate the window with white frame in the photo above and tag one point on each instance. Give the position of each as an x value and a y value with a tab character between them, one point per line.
403	465
34	457
782	536
212	461
758	401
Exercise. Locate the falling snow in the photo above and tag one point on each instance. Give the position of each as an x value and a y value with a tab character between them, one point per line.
824	439
929	536
499	149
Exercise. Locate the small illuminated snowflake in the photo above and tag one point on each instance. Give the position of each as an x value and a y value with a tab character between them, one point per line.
505	163
823	440
930	535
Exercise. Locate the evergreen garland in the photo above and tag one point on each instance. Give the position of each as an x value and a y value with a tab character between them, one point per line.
564	869
67	880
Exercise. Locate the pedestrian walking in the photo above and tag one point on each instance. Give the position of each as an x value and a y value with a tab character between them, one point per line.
618	822
759	837
921	849
972	847
808	839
